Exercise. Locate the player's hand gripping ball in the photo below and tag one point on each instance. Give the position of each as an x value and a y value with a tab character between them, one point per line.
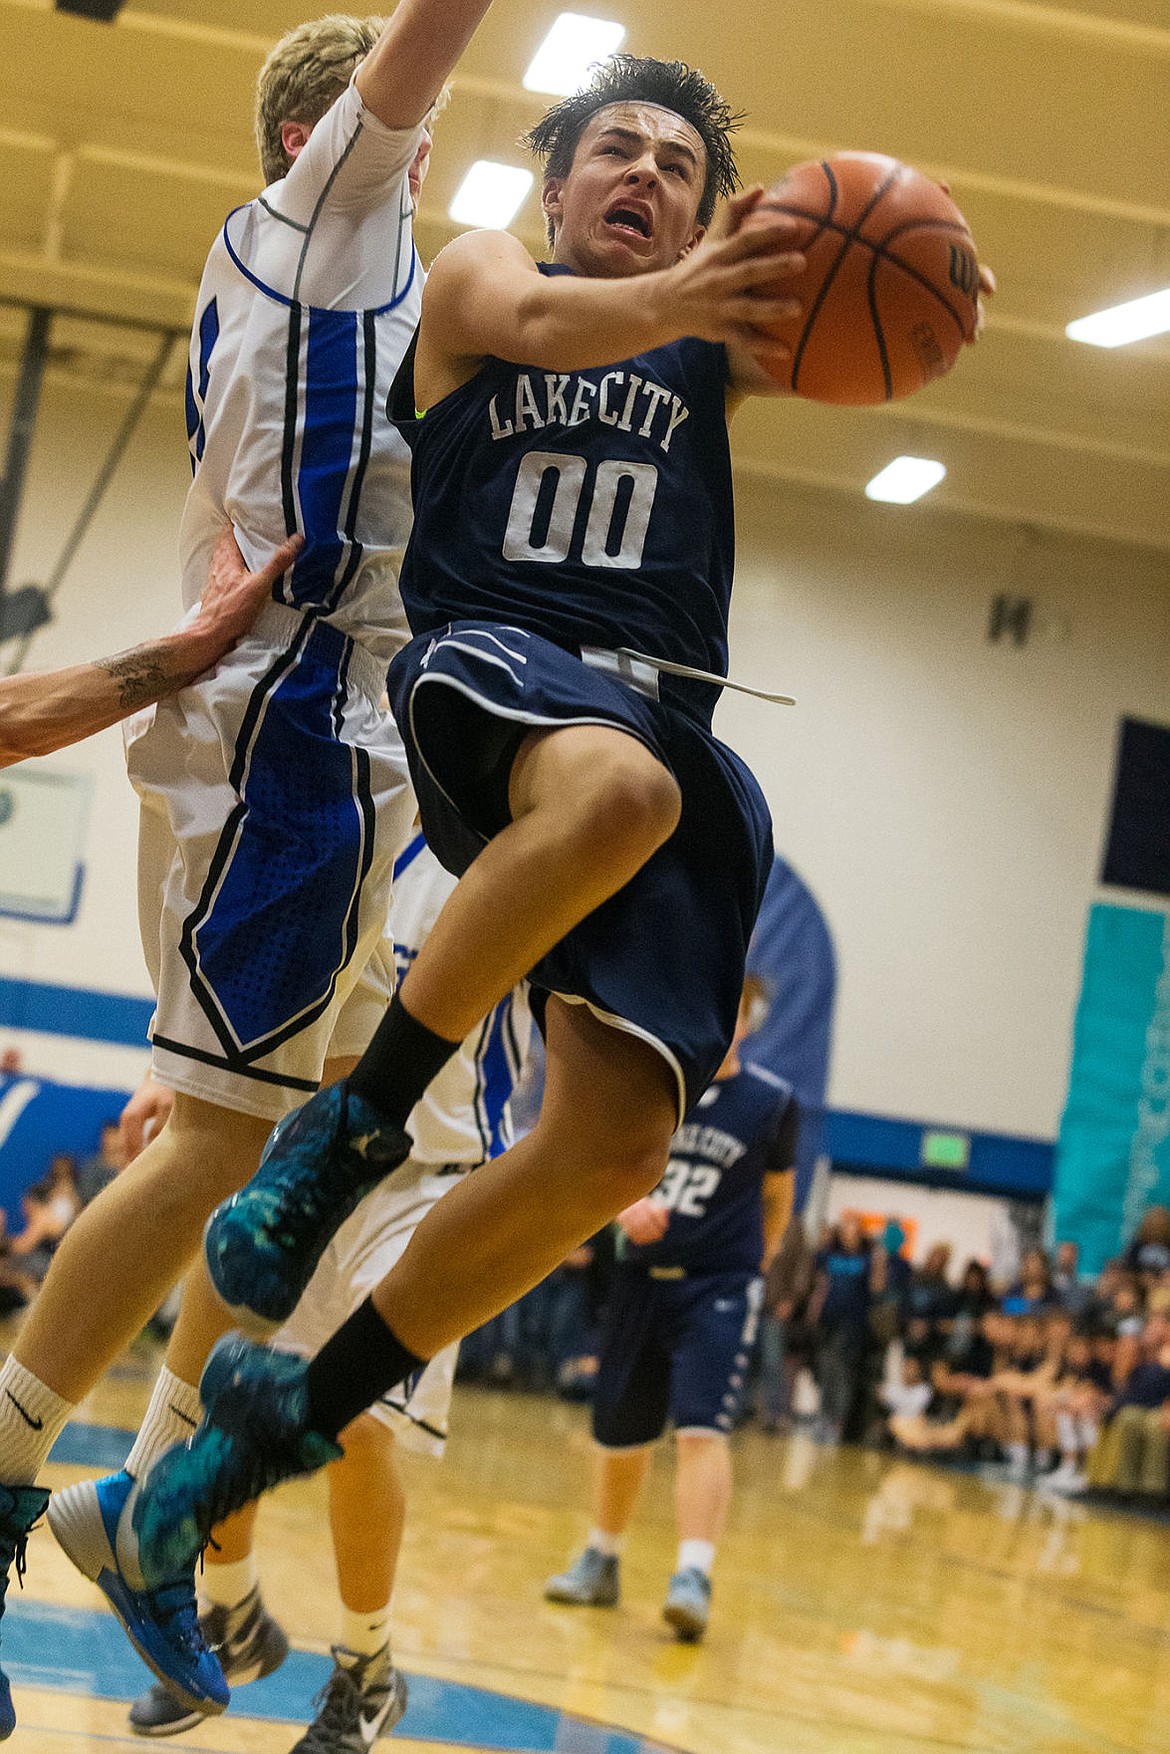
891	290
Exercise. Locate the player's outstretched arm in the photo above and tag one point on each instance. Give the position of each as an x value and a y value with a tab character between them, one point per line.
485	298
405	71
41	713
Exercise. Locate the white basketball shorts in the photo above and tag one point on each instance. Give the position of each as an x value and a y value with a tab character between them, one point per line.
274	801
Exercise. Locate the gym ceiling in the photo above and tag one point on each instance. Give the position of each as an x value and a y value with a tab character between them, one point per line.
123	144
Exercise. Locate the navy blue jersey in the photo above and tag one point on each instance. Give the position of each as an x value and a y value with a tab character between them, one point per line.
593	507
735	1134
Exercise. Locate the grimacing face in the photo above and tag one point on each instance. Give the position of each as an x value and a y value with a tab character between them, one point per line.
630	203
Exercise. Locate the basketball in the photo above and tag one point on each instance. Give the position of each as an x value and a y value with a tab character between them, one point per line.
890	293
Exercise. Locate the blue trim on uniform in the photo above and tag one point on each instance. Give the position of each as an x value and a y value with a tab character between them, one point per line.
81	1652
295	304
196	399
497	1078
408	855
295	850
322	423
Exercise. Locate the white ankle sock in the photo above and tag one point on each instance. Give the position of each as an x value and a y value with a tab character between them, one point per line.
696	1556
172	1416
32	1417
226	1586
365	1634
609	1545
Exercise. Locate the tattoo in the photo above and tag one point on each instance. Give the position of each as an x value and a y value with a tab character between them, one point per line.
142	675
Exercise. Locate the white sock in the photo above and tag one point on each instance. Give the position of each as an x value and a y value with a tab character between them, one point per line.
32	1418
1017	1454
696	1556
609	1545
1043	1459
172	1416
1066	1430
365	1634
226	1586
1088	1431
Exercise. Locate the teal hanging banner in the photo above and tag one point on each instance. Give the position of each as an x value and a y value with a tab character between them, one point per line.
1113	1158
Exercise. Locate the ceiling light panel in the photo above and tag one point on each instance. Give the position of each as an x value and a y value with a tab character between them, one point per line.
574	44
1134	321
905	480
490	194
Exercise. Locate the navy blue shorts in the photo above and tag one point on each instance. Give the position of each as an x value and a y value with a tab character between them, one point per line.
673	1349
665	956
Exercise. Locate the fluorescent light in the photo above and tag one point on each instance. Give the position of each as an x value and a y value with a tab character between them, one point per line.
490	194
561	64
905	479
1124	323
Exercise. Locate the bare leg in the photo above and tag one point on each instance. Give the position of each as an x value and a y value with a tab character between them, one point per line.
202	1317
609	1111
123	1254
702	1485
590	805
615	1480
367	1514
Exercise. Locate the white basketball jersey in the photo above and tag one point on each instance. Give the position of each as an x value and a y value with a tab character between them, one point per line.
309	299
465	1116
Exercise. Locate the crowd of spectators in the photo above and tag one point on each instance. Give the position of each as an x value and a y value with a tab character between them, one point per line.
1056	1376
1053	1377
48	1208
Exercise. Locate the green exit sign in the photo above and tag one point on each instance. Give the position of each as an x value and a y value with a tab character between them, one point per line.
946	1150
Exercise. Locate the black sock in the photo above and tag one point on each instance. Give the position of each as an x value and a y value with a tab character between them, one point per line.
361	1363
399	1063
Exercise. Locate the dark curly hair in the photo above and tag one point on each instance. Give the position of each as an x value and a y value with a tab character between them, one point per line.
672	85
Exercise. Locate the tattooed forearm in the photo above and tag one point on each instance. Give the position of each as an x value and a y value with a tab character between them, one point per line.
142	675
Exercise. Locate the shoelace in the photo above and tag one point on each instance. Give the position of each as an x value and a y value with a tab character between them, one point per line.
13	1556
338	1710
174	1607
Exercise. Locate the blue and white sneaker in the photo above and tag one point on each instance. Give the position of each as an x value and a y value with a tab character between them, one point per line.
253	1434
688	1603
264	1243
93	1523
20	1508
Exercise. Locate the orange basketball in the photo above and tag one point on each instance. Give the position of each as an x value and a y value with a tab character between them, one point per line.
890	293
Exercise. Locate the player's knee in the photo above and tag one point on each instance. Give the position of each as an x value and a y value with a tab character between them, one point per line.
632	1167
635	806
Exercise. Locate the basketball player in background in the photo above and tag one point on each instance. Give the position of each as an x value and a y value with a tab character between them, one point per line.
274	794
464	1120
50	709
567	582
680	1325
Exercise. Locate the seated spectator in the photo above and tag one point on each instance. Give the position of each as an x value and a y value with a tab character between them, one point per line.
1132	1454
929	1296
1077	1402
97	1172
1073	1293
49	1208
1034	1287
962	1412
13	1288
1022	1389
1148	1255
908	1397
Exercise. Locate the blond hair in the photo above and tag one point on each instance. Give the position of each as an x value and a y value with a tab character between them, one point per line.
306	72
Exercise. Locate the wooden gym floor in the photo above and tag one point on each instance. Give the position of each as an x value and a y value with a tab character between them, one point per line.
862	1606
